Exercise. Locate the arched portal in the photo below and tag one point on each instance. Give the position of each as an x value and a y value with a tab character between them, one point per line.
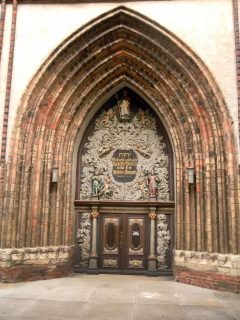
125	173
119	47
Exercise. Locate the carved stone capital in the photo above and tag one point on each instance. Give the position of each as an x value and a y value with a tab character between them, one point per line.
152	215
94	214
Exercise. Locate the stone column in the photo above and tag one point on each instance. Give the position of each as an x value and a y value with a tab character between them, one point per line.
152	259
93	259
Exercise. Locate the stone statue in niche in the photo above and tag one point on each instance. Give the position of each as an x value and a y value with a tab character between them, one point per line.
124	106
96	187
153	181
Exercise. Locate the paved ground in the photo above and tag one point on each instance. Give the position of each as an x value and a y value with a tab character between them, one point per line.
114	297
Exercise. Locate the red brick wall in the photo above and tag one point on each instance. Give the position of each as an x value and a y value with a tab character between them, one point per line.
34	272
210	280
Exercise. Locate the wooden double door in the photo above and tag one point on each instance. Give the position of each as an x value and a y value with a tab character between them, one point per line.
123	241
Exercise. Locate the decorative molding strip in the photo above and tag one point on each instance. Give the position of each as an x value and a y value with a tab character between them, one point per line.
9	83
237	53
227	264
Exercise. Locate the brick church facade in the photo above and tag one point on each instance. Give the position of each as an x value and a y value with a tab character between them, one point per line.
120	139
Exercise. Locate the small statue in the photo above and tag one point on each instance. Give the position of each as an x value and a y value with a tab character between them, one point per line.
143	150
105	149
124	106
107	189
107	116
142	186
146	119
96	183
152	185
96	187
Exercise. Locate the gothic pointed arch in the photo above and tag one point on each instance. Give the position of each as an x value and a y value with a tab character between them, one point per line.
119	47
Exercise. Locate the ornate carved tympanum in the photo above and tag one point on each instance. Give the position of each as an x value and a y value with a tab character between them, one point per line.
125	157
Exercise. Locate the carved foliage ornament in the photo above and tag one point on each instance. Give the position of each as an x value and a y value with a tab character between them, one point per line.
163	240
120	155
83	239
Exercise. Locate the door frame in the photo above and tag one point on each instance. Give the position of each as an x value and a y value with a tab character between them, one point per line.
132	208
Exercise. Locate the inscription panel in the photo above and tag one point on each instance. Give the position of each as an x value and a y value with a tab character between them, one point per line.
124	165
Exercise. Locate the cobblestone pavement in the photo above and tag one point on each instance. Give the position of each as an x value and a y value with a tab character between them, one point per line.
114	297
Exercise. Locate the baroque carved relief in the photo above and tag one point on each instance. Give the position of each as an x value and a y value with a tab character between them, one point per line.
134	263
83	239
110	262
125	158
163	240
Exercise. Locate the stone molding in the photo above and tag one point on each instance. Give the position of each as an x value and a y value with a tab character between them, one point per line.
227	264
9	79
237	49
54	255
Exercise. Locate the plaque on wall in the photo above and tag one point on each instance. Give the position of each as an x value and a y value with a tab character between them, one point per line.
124	158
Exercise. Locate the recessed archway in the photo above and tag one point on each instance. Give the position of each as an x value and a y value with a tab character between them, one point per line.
125	175
119	47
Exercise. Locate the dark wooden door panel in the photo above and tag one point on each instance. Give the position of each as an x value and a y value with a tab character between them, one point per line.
109	241
136	242
123	241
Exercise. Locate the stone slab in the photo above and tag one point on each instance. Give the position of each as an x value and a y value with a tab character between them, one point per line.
102	297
